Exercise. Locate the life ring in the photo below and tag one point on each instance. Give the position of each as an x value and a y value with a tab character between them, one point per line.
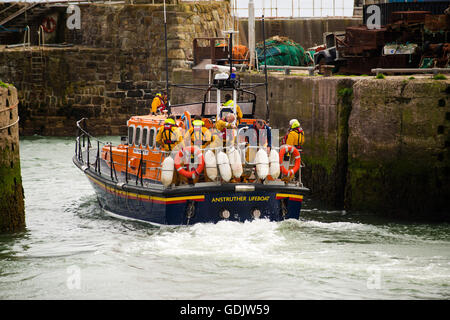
48	24
296	153
195	171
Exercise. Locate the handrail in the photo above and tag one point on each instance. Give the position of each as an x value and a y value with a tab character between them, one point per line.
87	133
26	37
152	167
41	36
19	12
11	6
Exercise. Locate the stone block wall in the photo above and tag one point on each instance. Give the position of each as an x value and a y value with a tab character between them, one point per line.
113	71
12	212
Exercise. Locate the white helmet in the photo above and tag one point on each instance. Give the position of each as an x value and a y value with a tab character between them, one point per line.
292	122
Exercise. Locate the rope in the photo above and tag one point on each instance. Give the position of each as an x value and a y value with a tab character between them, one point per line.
10	125
12	107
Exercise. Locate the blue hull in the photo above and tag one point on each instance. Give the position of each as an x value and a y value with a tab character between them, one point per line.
197	204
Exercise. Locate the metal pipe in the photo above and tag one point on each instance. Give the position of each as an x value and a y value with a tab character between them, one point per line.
98	158
87	155
142	160
111	161
265	72
167	58
251	32
126	166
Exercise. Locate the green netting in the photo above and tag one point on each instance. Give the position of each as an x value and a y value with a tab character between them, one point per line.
282	51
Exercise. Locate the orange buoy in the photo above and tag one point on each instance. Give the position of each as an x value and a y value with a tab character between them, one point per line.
296	153
194	171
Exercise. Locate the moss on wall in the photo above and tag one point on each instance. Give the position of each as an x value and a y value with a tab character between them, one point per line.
12	217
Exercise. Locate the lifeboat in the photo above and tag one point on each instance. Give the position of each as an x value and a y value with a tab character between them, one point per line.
236	180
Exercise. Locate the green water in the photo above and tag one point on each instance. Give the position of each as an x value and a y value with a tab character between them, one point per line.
73	250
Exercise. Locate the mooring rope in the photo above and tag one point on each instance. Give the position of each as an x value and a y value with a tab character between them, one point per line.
10	108
10	125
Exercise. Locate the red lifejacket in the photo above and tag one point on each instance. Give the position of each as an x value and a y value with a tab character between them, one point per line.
162	106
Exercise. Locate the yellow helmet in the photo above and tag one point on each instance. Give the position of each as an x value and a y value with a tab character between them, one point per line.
295	124
169	120
198	123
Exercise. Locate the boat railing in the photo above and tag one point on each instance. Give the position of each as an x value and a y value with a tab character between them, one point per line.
117	166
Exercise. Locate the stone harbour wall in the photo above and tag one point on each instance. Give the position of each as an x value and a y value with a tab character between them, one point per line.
114	69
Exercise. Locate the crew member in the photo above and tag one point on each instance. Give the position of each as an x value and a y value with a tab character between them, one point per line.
226	136
229	103
295	136
198	134
159	103
169	135
263	134
259	135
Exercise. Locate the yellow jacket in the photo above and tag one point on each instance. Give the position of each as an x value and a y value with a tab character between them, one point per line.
156	103
295	138
221	126
239	114
193	137
169	139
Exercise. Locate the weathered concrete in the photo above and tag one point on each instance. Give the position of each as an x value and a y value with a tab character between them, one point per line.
12	214
399	147
376	145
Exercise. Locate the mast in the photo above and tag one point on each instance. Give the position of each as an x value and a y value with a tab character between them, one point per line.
265	72
167	58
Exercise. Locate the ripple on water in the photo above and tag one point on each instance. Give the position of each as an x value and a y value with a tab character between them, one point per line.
324	255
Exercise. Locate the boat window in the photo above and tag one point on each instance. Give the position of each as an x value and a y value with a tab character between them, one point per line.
144	137
130	135
151	142
137	138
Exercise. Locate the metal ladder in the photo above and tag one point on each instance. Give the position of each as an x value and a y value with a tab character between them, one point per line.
38	63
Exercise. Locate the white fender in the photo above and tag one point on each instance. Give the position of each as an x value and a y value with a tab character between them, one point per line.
274	161
167	168
224	166
235	162
210	165
262	164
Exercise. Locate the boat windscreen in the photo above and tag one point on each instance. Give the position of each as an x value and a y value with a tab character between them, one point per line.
247	108
193	108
